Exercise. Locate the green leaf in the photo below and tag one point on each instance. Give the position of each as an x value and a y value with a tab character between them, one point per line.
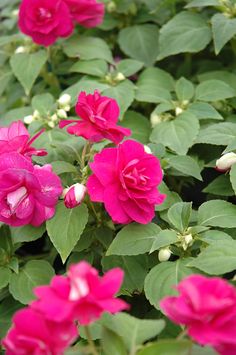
133	331
135	268
217	213
203	3
129	67
112	343
66	227
5	77
217	134
167	347
171	198
123	93
212	236
233	177
87	48
186	32
162	278
223	75
61	167
7	309
5	275
154	85
95	67
223	29
139	125
34	273
164	239
220	186
186	165
27	233
27	67
44	103
179	215
203	110
213	90
184	89
178	134
140	42
217	259
134	239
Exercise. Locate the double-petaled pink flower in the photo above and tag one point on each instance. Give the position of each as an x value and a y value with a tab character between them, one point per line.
82	296
32	333
99	116
47	20
28	193
125	178
16	138
207	307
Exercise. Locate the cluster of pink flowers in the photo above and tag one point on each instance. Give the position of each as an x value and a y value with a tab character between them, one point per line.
47	20
28	193
125	177
48	325
207	307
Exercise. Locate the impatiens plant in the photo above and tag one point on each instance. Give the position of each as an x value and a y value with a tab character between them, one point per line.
117	177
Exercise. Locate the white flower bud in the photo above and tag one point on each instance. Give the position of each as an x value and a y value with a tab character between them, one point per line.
155	119
20	49
188	238
74	195
28	119
51	124
164	254
15	13
120	77
178	111
61	113
226	161
64	100
54	117
147	149
36	114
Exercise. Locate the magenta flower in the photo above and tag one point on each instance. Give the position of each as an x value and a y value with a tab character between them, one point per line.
207	307
32	333
16	138
45	20
99	116
82	296
28	193
74	195
88	13
125	178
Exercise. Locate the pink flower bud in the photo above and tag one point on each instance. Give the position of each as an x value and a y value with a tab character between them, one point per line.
74	195
226	161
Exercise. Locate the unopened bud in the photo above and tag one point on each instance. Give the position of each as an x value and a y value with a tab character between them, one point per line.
15	12
54	117
155	119
120	76
61	113
64	100
20	49
147	149
188	238
36	114
111	6
28	119
178	111
51	124
74	195
226	161
164	254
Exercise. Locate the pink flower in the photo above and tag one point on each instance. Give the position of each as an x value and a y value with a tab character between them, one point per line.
45	20
125	178
28	193
32	334
88	13
99	117
207	307
82	296
74	195
16	138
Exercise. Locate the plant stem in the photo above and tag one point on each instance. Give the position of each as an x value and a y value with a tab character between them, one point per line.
90	341
182	334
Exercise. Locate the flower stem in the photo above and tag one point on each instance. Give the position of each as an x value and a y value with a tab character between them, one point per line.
182	334
92	346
